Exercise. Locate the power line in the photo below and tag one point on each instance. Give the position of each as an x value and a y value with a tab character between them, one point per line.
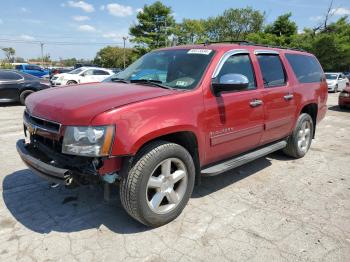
18	41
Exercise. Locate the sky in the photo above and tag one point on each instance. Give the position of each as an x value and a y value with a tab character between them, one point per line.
76	28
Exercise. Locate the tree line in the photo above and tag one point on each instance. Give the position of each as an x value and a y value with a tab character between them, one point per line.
156	27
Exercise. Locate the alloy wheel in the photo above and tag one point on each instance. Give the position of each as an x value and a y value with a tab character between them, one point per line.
167	186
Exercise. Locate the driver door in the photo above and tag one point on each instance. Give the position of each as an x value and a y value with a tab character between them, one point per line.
88	76
235	120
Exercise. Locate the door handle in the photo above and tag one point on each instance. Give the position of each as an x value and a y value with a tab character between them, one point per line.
256	102
288	97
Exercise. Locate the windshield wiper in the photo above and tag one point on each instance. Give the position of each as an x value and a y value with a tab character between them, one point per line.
119	80
151	82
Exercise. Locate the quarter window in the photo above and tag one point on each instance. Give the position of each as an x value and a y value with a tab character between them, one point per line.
239	64
8	76
306	68
272	70
100	72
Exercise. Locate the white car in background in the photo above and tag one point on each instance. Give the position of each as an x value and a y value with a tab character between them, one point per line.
336	81
81	75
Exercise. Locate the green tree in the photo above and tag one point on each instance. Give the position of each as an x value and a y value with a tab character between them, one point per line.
155	25
113	57
236	24
283	26
9	52
190	31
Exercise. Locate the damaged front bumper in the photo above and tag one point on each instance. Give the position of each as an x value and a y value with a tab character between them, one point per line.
39	167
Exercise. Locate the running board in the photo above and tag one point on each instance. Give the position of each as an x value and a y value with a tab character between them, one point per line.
243	159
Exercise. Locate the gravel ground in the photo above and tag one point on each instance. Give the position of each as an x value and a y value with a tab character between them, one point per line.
273	209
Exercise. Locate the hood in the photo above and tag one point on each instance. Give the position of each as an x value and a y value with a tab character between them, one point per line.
329	81
79	104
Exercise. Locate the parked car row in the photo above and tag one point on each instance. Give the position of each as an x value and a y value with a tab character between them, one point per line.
336	81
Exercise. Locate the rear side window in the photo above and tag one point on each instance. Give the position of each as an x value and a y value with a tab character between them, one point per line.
306	68
18	67
100	72
239	64
272	70
8	76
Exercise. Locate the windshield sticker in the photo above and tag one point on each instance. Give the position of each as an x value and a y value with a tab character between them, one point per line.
199	51
181	83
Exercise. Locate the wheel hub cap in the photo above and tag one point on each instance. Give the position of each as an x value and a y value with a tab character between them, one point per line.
304	136
166	186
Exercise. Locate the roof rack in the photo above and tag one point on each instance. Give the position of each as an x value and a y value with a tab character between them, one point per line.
245	42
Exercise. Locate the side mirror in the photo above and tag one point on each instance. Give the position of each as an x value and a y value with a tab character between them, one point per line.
229	83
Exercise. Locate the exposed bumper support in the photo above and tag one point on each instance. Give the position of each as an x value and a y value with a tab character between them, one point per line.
42	169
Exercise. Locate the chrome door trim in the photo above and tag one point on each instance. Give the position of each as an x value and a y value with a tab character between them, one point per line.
266	52
226	56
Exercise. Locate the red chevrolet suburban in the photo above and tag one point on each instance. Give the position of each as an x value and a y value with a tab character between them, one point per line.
173	116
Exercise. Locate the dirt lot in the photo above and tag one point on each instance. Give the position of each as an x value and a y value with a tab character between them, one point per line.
274	209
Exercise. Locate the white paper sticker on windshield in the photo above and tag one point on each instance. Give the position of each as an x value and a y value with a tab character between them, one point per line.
199	51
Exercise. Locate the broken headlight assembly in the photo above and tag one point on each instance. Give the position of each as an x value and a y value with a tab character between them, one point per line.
92	141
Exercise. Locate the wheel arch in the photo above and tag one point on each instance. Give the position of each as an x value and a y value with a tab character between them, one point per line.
187	139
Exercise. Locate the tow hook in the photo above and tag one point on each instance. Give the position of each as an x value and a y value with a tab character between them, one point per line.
68	180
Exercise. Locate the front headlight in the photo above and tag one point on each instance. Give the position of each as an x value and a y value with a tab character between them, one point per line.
88	141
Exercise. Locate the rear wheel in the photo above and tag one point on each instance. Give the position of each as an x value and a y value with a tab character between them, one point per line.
159	184
299	142
23	96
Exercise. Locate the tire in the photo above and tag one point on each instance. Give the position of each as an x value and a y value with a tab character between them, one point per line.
71	82
138	195
295	146
23	96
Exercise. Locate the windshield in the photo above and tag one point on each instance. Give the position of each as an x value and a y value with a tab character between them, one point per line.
76	71
180	69
332	76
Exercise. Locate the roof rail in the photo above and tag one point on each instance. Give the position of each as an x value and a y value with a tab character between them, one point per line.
245	42
207	42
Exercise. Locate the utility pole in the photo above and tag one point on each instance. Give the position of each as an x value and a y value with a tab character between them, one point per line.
124	58
42	54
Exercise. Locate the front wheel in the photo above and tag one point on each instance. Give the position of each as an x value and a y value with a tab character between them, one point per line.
300	141
159	184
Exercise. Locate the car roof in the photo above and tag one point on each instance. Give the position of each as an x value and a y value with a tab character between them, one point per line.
230	46
93	67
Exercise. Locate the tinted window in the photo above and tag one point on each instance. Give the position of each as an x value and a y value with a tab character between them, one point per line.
272	70
32	67
100	72
7	75
306	68
239	64
18	67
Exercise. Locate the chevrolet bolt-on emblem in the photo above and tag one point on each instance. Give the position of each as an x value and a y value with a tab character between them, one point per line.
31	129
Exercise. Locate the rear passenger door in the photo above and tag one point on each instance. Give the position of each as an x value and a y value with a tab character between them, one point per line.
277	95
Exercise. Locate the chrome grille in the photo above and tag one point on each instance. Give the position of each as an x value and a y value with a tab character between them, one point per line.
40	123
